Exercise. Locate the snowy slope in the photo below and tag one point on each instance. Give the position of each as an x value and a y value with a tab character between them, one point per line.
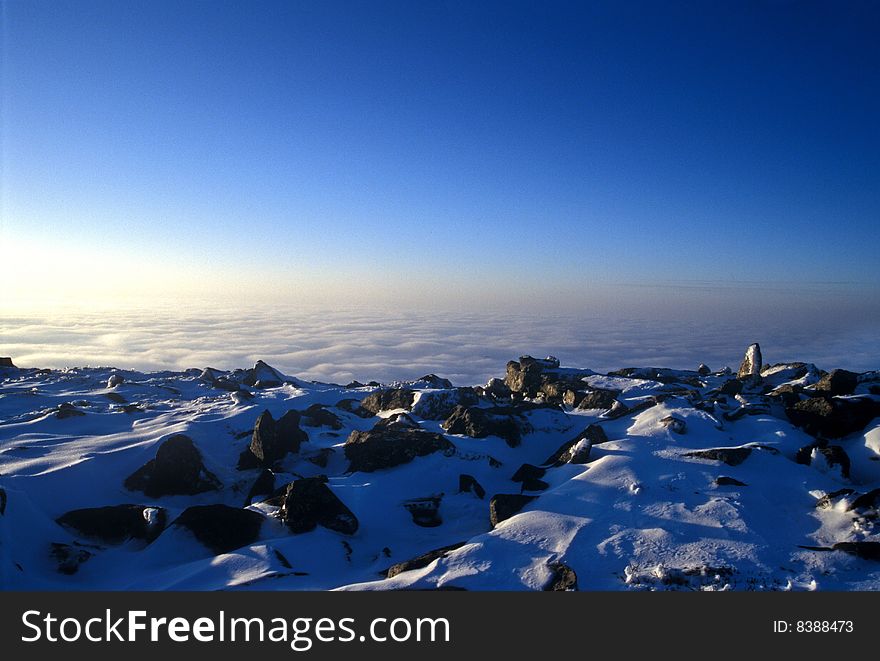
644	512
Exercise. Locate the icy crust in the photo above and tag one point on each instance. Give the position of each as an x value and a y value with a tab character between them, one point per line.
724	499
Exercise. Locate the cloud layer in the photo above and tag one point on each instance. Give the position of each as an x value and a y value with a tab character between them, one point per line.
340	345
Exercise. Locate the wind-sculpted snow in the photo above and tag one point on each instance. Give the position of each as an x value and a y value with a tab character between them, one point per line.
680	480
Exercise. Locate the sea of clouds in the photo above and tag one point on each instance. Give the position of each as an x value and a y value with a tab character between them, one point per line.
337	345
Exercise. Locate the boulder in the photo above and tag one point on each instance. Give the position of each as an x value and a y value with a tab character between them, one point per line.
497	389
264	485
318	416
67	410
6	361
115	397
387	447
387	400
425	512
524	376
750	368
731	387
221	528
528	472
562	578
397	420
864	550
116	524
309	502
68	557
838	382
469	484
502	506
725	481
832	417
421	561
729	456
354	406
176	470
674	424
115	380
271	441
480	423
577	450
703	370
835	456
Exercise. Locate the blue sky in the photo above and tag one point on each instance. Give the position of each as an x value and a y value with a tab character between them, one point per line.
503	151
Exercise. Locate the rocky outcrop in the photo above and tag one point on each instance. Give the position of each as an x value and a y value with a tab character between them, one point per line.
114	380
434	381
116	524
354	406
833	417
221	528
272	440
439	405
69	557
530	477
388	400
562	578
480	423
838	382
729	456
577	450
67	410
372	450
421	561
318	416
264	485
469	484
425	512
524	376
262	375
674	424
6	362
598	398
176	470
502	506
309	503
750	368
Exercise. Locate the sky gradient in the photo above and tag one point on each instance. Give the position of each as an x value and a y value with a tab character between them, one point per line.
440	153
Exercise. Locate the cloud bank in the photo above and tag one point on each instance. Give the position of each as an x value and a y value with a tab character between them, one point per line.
338	345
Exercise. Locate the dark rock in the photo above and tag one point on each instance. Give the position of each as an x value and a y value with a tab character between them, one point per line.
731	387
674	424
221	528
67	410
577	450
573	397
425	511
480	423
836	456
598	398
527	472
387	400
525	376
115	380
494	463
838	382
318	416
227	384
132	408
562	579
272	441
6	361
321	457
502	506
262	375
264	485
117	523
750	368
825	417
864	550
309	502
533	484
787	394
421	561
3	501
725	481
354	406
439	405
868	500
621	410
115	397
729	456
434	381
497	389
354	384
385	448
703	370
468	483
68	556
176	470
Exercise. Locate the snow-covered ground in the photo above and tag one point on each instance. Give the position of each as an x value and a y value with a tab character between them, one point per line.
636	505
